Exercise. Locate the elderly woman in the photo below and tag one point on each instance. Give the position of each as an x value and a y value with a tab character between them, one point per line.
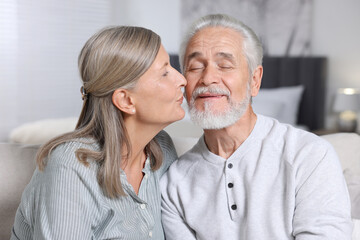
101	181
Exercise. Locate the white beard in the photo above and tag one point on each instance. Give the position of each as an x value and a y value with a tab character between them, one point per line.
218	119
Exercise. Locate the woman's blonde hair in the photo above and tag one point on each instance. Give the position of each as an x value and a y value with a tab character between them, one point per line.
113	58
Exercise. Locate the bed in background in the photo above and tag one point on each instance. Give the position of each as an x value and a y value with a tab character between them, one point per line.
309	72
298	83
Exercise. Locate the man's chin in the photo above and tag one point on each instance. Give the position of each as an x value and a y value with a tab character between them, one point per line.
209	121
208	116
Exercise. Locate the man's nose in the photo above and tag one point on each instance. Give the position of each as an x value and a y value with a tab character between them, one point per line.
210	76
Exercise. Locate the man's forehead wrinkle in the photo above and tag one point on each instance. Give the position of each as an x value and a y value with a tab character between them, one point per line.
207	43
221	48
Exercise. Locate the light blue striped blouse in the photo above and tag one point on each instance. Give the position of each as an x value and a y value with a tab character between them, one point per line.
66	202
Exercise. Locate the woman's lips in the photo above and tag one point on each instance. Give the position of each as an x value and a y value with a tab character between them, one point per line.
180	100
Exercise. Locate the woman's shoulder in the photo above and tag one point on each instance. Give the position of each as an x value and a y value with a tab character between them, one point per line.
163	138
168	150
64	175
63	165
65	153
77	143
166	143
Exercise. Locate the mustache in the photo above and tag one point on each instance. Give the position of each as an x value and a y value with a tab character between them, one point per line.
215	90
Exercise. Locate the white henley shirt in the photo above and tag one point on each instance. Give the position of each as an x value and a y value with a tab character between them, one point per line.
281	183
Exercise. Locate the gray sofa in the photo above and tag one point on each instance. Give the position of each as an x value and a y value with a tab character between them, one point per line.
18	163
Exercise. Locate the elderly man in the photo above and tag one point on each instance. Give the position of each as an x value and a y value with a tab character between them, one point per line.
249	176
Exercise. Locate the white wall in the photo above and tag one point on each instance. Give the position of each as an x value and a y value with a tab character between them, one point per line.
336	34
39	44
161	16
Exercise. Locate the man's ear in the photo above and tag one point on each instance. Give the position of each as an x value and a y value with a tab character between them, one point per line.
122	99
256	80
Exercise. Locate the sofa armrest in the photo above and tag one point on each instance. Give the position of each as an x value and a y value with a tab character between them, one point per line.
347	146
17	163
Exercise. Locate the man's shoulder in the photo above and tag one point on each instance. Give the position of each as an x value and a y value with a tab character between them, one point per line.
185	165
289	133
290	140
303	137
301	146
188	159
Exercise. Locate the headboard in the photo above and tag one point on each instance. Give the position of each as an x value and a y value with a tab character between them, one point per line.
291	71
307	71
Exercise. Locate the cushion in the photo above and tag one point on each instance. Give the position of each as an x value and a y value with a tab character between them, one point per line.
356	229
353	184
268	107
41	131
184	128
280	103
347	148
183	144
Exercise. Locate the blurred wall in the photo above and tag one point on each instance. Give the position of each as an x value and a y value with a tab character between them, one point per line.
161	16
40	41
30	90
336	34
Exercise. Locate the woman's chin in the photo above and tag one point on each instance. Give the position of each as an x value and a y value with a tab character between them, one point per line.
178	117
181	115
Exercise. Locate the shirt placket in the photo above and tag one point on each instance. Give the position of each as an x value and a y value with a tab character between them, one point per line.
141	198
143	194
232	190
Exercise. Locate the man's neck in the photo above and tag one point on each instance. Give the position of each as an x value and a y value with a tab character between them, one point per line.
224	142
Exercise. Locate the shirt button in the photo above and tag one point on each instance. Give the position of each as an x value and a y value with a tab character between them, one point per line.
230	165
230	185
142	206
233	207
150	234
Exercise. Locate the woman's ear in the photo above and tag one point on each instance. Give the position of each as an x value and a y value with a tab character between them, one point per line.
122	99
256	80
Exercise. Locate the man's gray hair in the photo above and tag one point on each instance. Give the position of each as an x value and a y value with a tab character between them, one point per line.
252	47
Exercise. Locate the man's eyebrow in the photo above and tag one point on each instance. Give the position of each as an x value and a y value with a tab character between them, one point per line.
228	56
193	55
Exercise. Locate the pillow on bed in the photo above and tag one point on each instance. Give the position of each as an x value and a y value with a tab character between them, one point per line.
353	184
268	107
281	103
